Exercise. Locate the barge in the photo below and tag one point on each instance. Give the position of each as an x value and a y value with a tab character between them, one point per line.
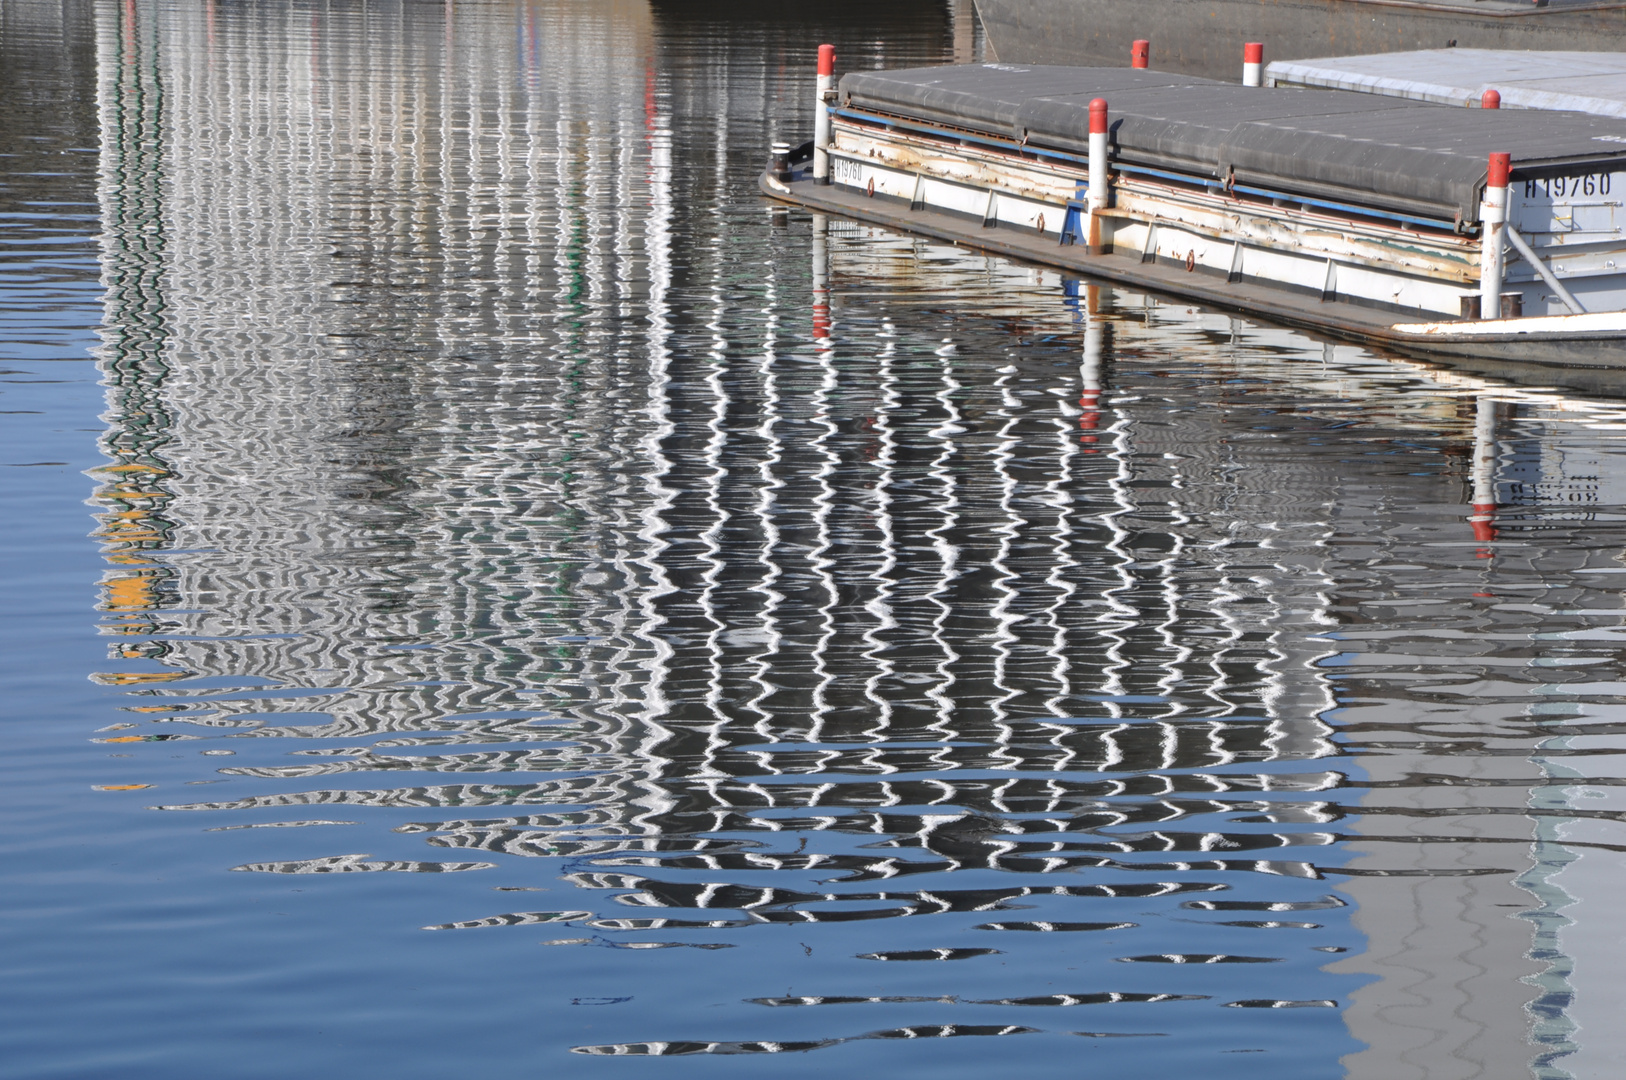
1202	37
1428	229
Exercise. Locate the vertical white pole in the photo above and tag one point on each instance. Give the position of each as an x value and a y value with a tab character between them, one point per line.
1492	216
1253	63
1096	198
821	114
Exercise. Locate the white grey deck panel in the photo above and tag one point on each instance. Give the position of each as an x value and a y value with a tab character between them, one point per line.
1589	82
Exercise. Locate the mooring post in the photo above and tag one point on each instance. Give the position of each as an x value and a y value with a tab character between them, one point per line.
1253	63
821	114
779	162
1492	216
1490	99
1140	53
1096	197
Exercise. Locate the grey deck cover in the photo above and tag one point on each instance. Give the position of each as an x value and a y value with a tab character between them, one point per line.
991	96
1590	82
1382	152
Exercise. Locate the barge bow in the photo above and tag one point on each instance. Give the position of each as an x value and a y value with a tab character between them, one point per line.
1426	229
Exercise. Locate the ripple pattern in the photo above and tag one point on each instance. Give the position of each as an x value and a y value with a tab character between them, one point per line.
817	616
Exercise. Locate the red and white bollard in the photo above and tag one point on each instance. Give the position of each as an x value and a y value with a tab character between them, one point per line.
821	114
1095	199
1490	99
1140	53
1492	216
1253	64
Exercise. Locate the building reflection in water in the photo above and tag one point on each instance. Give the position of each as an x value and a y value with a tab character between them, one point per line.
469	415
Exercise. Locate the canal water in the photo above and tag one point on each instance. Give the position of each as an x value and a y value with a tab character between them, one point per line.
489	595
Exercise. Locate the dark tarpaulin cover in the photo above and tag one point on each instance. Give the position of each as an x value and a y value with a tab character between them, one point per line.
990	96
1383	152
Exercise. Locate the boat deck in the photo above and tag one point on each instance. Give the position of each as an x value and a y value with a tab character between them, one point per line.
1387	153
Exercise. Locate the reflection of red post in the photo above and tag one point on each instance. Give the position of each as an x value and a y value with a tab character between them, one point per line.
1089	399
129	33
821	320
821	279
1483	500
1090	402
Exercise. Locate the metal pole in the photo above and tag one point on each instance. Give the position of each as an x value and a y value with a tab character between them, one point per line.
1492	216
1253	63
1547	275
821	114
1095	199
1140	53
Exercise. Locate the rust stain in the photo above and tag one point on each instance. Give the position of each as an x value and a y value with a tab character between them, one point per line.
132	593
136	678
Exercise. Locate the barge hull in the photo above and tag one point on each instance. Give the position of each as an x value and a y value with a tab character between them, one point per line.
1205	37
1350	322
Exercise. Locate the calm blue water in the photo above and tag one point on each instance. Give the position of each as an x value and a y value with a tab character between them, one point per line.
486	594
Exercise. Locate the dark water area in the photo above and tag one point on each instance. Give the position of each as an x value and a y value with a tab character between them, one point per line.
488	594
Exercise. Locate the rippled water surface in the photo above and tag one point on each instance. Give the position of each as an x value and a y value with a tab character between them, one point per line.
488	595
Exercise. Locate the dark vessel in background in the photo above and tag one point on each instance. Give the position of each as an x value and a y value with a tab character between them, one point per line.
1205	37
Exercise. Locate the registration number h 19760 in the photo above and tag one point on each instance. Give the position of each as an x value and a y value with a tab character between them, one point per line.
1585	204
1560	187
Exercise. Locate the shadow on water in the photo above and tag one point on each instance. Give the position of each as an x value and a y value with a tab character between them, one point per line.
829	644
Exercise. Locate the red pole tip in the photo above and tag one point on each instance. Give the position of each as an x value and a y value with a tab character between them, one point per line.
1098	116
1253	52
827	59
1498	172
1140	53
1490	99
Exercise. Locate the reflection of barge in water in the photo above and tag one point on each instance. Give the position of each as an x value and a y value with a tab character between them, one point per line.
1375	219
1206	38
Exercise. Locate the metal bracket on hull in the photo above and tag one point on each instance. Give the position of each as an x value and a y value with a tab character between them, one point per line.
1072	224
1541	268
